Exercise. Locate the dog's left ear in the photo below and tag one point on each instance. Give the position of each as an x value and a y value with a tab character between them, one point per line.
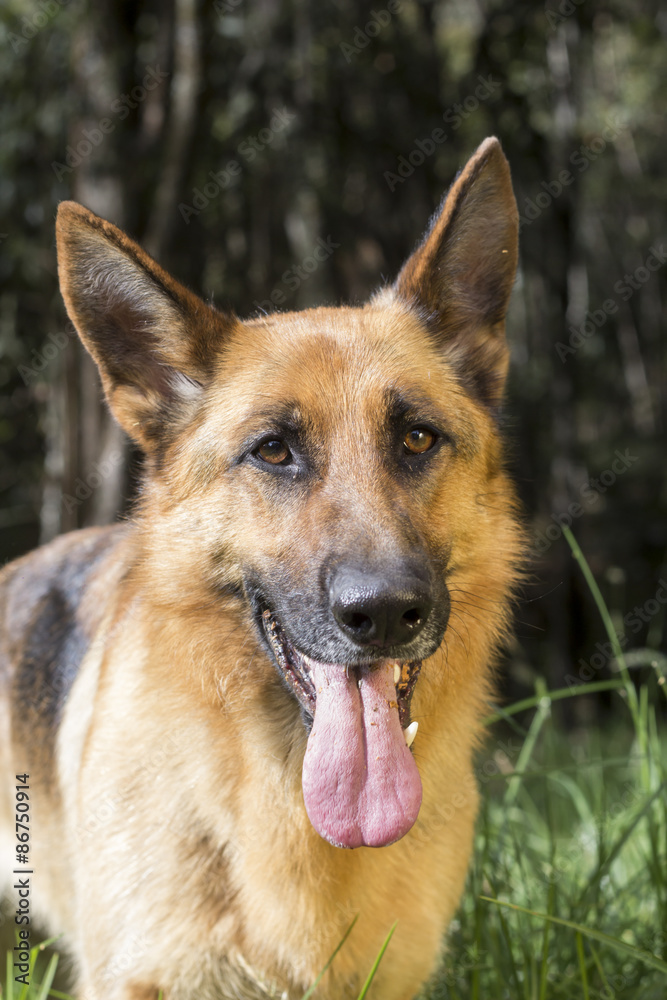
461	276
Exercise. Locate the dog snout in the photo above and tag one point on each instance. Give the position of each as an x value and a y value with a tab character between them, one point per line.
380	609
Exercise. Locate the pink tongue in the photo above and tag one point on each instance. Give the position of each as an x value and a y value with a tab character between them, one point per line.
360	782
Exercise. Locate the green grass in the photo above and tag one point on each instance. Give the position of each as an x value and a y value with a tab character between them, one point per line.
40	977
567	891
566	896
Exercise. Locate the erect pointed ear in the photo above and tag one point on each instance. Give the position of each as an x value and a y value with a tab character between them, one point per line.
153	341
461	275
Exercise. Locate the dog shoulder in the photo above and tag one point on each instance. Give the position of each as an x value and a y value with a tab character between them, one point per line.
46	625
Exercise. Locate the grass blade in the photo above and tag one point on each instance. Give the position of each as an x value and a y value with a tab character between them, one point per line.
48	978
514	782
311	989
371	975
47	944
557	695
597	597
10	981
544	964
582	966
631	693
509	943
598	965
24	992
646	657
652	961
604	865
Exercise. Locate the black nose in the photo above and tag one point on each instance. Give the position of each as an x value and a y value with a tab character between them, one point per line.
375	610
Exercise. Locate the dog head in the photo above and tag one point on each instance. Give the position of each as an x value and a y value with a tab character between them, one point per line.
326	468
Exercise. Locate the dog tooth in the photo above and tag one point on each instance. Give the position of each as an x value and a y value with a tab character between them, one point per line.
397	673
410	733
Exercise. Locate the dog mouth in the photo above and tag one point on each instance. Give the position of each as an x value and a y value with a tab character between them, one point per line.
296	670
360	782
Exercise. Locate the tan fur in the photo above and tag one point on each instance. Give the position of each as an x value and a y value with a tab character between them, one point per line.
169	828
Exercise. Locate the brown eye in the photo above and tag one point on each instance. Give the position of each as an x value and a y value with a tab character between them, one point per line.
418	440
275	452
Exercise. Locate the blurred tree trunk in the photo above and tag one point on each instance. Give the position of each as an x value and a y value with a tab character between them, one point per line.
185	86
86	479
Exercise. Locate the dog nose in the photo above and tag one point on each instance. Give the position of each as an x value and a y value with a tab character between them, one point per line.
379	610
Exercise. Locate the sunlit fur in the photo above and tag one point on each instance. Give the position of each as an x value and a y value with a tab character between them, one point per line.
169	832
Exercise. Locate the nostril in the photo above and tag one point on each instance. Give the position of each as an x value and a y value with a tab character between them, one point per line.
412	617
358	622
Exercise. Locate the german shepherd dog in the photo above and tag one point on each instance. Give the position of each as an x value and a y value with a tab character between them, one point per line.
247	714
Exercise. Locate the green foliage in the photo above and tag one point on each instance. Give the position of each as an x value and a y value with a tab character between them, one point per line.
566	894
39	977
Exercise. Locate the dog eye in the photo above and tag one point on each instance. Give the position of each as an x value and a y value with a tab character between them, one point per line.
275	452
418	440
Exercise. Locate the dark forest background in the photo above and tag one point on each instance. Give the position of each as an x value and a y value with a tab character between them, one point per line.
330	112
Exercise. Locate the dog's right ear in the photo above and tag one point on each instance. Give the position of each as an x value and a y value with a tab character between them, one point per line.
153	341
